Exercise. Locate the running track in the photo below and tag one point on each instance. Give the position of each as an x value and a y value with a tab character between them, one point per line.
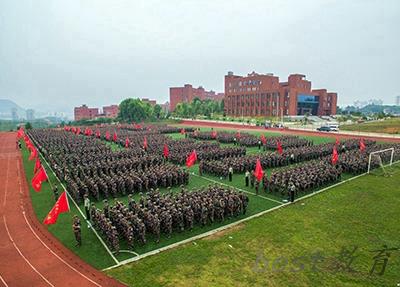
29	254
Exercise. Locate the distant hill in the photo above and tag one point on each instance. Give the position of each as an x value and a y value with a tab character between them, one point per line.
6	107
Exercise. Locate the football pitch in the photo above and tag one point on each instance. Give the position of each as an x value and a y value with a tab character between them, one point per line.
93	250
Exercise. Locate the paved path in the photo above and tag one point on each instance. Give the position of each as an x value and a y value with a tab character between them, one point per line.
29	254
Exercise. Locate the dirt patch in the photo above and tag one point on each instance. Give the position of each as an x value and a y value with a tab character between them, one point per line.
226	231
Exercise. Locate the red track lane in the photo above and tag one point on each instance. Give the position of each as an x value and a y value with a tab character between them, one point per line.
284	131
24	258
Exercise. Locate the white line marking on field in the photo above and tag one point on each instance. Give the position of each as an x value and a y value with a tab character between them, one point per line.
22	255
55	254
6	183
156	251
129	251
218	182
2	280
76	205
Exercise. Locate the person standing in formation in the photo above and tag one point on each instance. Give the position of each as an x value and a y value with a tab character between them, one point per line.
247	177
230	173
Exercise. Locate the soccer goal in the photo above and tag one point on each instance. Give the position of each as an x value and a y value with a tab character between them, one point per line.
381	158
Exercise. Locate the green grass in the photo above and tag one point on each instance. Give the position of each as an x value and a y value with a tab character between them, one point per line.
390	126
364	212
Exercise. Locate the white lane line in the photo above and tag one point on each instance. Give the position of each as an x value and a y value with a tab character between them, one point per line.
6	183
22	255
56	255
4	282
218	182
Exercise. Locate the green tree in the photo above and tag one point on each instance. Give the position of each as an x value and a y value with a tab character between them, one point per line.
133	110
157	111
28	126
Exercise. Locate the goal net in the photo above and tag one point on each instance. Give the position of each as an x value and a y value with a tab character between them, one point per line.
380	162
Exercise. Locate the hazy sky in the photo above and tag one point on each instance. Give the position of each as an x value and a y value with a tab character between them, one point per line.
60	54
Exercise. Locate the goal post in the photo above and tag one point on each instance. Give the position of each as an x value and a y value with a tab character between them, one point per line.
379	152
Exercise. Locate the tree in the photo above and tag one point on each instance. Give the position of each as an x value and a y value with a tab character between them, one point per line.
133	110
28	126
157	111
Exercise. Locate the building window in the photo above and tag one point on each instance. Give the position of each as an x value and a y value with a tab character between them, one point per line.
240	83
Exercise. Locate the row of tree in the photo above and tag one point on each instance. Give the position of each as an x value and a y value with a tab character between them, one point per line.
199	107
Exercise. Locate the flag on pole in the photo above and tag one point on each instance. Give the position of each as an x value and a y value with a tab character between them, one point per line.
191	159
33	153
258	172
362	145
78	130
107	135
145	146
37	165
183	131
115	136
238	135
126	142
62	205
279	147
20	133
214	134
166	151
97	134
263	139
38	178
337	141
335	156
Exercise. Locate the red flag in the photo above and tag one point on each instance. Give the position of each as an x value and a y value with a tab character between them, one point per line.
191	159
115	137
33	153
335	156
214	134
145	146
263	139
37	165
166	151
97	134
107	135
337	141
279	147
238	135
183	131
61	206
78	130
362	145
38	178
20	133
258	172
127	142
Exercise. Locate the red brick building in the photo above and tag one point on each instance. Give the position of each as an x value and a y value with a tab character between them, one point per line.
84	112
110	111
263	95
187	93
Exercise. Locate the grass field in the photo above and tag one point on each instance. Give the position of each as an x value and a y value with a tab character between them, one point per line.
360	215
390	126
